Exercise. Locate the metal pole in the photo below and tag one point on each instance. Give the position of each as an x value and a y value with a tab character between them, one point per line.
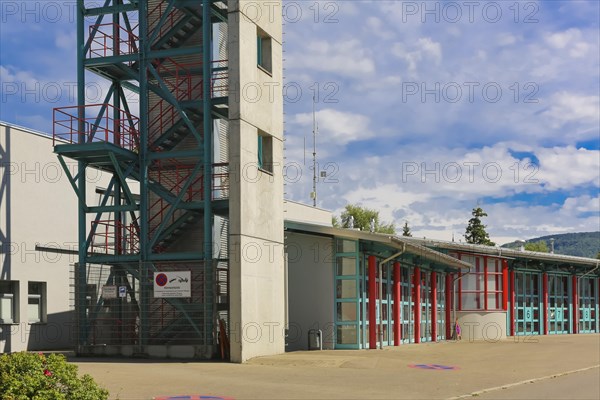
81	269
208	145
381	290
144	48
314	155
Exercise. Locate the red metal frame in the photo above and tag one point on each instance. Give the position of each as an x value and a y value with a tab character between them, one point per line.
172	18
575	291
505	285
114	237
512	303
482	272
417	302
434	306
122	132
106	43
372	302
545	300
185	83
397	304
485	282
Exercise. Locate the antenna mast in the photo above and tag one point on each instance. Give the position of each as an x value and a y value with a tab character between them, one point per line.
315	129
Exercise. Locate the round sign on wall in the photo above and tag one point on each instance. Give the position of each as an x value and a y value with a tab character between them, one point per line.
161	279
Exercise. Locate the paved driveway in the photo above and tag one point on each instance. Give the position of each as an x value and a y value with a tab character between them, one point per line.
425	371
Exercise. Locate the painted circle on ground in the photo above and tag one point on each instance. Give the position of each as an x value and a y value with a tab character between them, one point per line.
436	367
161	280
193	397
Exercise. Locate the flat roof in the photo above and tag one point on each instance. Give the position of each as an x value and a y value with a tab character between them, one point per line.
394	242
504	252
26	130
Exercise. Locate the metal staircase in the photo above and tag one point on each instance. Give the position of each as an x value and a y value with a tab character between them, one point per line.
167	195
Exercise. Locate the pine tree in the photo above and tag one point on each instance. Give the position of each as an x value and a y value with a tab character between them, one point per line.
475	232
406	229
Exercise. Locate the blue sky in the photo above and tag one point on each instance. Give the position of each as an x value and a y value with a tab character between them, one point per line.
425	109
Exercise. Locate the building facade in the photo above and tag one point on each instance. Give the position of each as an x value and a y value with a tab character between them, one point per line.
38	242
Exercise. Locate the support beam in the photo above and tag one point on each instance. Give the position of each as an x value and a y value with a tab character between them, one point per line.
545	301
505	285
417	301
434	315
513	307
397	304
372	302
448	293
575	304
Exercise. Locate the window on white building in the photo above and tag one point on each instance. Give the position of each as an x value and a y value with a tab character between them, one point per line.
36	302
263	51
8	302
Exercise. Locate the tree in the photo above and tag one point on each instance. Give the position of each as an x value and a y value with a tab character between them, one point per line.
406	229
362	219
335	222
539	246
475	232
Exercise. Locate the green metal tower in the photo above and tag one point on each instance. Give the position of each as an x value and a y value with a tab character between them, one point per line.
161	138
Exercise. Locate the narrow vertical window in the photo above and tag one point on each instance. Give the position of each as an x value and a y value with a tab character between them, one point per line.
263	51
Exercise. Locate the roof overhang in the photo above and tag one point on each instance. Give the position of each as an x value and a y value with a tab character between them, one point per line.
501	252
393	242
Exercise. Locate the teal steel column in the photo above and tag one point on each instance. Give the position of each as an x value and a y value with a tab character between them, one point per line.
597	302
144	48
118	232
207	178
81	187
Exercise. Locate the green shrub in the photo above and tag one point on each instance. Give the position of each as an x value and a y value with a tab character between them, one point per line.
26	376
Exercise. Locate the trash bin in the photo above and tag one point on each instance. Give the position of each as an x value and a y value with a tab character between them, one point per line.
315	341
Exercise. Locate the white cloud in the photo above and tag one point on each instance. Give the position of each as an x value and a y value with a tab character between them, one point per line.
337	128
346	57
561	40
568	167
582	204
424	50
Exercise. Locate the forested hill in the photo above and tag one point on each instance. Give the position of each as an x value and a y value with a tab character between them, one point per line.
582	244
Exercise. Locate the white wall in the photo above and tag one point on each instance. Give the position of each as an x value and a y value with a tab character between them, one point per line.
310	289
489	326
299	212
38	206
256	257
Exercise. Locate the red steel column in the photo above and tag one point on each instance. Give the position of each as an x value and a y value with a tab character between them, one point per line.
505	285
397	304
512	303
449	321
545	300
485	283
575	300
372	302
434	307
417	301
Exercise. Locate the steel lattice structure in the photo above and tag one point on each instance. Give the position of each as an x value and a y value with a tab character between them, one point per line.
166	205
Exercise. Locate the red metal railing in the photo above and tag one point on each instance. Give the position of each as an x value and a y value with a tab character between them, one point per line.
174	178
154	16
174	75
192	80
95	123
112	40
114	237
